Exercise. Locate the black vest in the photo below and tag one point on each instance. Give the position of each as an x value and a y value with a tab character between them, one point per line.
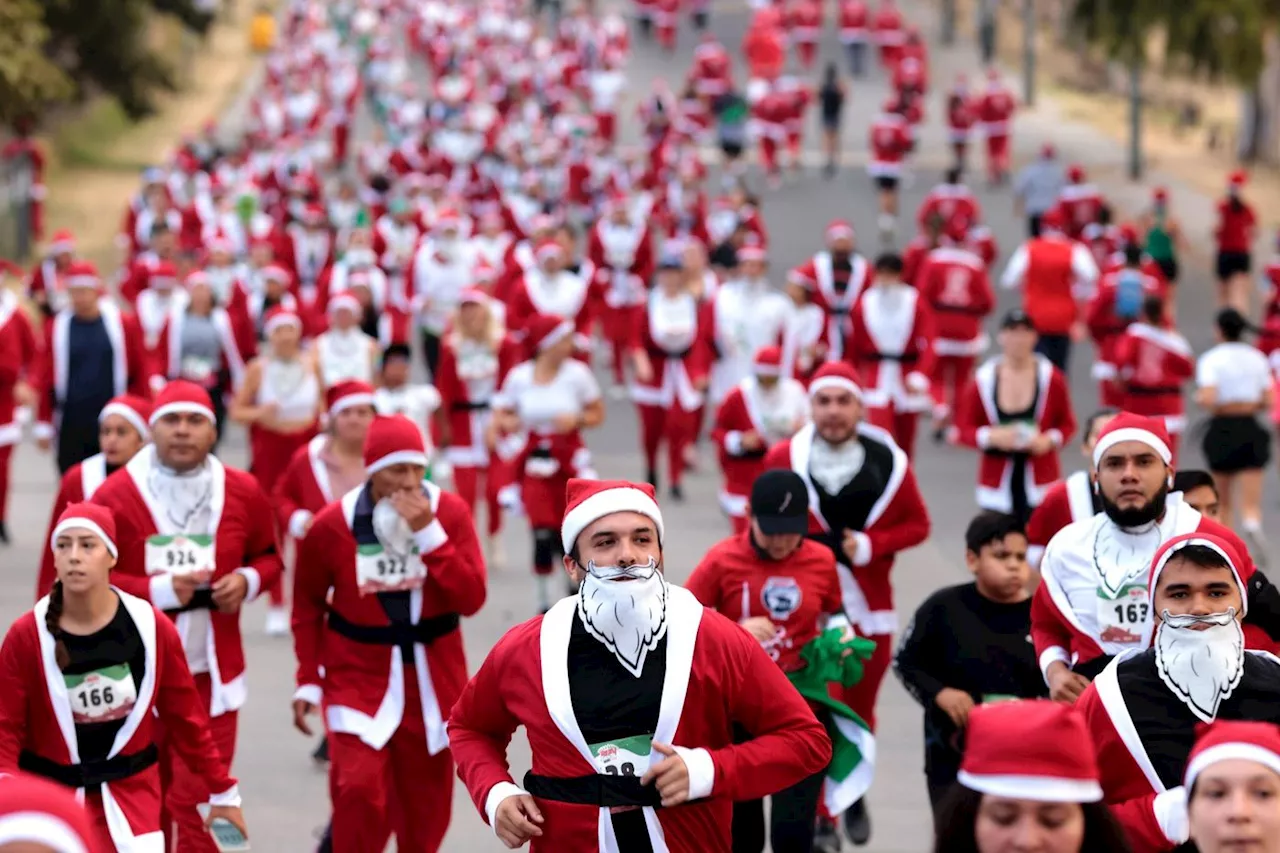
849	509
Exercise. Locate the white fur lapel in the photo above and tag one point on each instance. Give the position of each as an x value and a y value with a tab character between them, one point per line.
1108	686
318	469
139	469
144	617
61	342
1080	496
901	466
114	325
93	471
801	446
55	683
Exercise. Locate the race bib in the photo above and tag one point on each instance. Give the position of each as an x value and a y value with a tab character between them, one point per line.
996	698
1124	618
179	555
378	570
196	369
623	757
100	696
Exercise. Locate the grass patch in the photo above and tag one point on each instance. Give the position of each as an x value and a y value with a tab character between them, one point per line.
82	141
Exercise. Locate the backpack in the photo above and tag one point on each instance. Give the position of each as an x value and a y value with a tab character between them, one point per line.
1129	295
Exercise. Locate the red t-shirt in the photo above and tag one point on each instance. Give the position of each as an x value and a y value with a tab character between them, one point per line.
1234	227
795	593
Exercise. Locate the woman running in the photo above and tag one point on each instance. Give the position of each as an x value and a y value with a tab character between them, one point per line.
1164	238
90	675
1236	227
831	96
1232	782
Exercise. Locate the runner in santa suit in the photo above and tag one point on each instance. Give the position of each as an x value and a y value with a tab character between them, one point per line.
606	86
865	506
1070	499
666	19
805	340
764	46
1079	201
36	811
621	250
160	296
539	414
1153	363
769	119
19	378
853	33
442	267
122	432
712	71
892	349
804	25
552	288
995	107
889	34
1017	412
96	685
588	682
747	313
358	263
1093	570
310	249
961	119
890	142
950	200
393	563
197	539
94	353
835	277
671	355
954	284
345	350
47	287
1145	708
1115	304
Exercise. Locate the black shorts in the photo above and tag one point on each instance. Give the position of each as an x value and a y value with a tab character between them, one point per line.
732	150
1233	263
831	122
887	183
1169	266
1234	443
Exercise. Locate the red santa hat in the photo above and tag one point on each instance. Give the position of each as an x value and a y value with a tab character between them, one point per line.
1075	173
767	362
838	375
221	242
278	317
275	272
547	330
98	520
750	253
63	242
34	810
484	272
542	222
1237	178
1127	426
1214	543
1160	194
393	440
588	501
1052	220
136	410
473	296
83	274
1007	753
347	395
164	275
447	220
314	214
839	229
548	248
1227	740
182	397
345	301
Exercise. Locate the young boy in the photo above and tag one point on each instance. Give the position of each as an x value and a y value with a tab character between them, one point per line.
1199	491
971	644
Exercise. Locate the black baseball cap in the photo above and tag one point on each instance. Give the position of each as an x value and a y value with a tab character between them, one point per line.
780	503
1017	318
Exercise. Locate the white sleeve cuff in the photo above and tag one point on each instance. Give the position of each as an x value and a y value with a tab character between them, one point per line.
917	382
162	595
157	383
862	553
497	794
255	581
733	442
430	537
229	798
1055	435
701	769
309	693
1170	810
298	523
42	430
1051	655
984	437
838	621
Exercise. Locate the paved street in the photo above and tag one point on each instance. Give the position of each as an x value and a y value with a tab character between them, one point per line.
285	798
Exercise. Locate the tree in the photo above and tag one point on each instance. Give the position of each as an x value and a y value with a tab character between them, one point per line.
29	81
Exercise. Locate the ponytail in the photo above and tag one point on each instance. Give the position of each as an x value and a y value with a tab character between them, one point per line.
52	620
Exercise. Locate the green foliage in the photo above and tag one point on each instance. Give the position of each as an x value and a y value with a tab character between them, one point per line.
29	81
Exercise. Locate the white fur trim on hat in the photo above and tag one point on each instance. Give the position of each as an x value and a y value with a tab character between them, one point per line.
824	382
1227	752
556	335
131	415
90	281
759	368
1147	437
350	401
344	300
1172	552
399	457
1042	789
180	407
605	503
281	319
40	828
89	524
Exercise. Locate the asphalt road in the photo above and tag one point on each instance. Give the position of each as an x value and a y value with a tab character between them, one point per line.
285	797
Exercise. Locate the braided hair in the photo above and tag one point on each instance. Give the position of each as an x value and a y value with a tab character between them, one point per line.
52	620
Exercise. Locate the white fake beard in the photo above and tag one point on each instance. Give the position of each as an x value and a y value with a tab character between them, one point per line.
393	532
1201	667
628	617
186	497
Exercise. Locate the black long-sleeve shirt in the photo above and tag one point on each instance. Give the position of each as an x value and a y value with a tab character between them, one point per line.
962	640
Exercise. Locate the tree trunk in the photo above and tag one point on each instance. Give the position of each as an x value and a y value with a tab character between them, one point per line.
1267	126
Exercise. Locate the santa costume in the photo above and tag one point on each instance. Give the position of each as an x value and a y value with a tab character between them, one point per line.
954	284
37	811
671	679
621	250
1066	501
746	314
19	346
366	578
211	522
834	281
995	108
557	292
1152	365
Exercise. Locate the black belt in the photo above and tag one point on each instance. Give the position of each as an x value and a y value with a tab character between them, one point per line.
90	774
597	789
1145	391
880	356
958	309
201	599
541	453
464	406
401	634
839	311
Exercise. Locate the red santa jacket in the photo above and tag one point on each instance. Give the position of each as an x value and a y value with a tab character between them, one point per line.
1065	501
744	410
716	676
19	362
995	109
467	385
853	21
623	259
949	202
309	252
675	335
898	520
36	717
571	297
244	542
1152	365
892	349
816	276
357	681
169	364
804	20
1105	326
1080	205
78	484
954	284
976	414
304	489
890	141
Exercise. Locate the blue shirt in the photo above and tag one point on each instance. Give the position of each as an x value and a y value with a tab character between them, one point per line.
90	383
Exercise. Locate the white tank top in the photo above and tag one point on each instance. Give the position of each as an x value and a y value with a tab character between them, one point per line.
344	356
291	386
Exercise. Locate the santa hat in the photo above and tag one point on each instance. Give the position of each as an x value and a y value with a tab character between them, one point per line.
1243	572
163	274
543	222
348	394
838	375
484	272
196	279
1237	179
750	253
1009	754
473	296
1051	220
220	242
98	520
136	410
588	501
63	242
83	274
1227	740
1127	426
1160	194
344	300
275	272
1075	173
393	440
315	214
548	248
839	229
182	397
447	220
34	810
767	362
547	330
280	316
